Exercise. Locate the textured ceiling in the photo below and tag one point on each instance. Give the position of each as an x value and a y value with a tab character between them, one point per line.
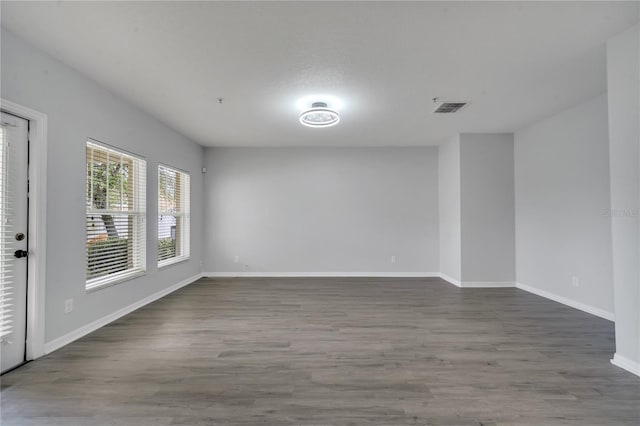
379	63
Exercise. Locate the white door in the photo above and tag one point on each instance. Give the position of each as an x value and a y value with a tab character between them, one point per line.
13	239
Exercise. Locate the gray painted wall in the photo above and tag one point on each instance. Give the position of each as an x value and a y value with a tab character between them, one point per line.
78	108
623	74
450	214
487	208
562	199
322	209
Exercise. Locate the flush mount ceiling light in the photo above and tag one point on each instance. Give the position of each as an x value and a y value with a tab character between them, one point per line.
319	116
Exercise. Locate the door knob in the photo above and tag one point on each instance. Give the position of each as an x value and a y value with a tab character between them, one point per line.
21	253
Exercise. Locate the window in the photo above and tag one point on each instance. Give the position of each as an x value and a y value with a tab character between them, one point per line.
173	215
116	208
6	256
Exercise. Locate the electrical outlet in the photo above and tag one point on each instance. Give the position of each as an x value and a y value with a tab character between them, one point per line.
393	259
236	259
575	281
246	266
68	306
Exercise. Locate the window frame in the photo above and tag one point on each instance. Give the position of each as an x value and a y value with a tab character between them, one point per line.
139	233
185	218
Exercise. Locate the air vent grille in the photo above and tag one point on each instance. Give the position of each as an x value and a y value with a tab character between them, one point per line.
449	107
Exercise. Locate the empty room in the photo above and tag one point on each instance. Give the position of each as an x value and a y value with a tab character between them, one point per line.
319	213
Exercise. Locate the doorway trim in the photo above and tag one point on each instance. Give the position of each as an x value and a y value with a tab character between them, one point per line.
36	286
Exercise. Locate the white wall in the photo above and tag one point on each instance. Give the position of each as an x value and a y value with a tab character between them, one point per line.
311	210
487	208
623	74
450	214
78	108
562	199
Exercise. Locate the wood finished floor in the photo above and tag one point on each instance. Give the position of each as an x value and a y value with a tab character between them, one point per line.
333	352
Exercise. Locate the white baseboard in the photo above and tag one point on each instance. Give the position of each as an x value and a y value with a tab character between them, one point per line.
626	364
488	284
93	326
566	301
320	274
450	280
470	284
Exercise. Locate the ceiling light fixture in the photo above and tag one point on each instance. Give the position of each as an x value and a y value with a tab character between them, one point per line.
319	116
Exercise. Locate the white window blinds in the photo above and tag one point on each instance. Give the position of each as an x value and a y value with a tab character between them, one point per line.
115	220
6	249
174	214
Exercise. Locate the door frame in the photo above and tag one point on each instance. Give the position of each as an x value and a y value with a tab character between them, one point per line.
36	285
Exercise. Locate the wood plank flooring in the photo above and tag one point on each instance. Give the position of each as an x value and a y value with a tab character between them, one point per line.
333	352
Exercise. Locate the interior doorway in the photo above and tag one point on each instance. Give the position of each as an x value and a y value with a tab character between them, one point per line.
14	239
23	178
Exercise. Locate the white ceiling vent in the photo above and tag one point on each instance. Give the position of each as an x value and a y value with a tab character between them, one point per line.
447	107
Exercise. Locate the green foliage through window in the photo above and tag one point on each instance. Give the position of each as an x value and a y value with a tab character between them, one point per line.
166	248
107	257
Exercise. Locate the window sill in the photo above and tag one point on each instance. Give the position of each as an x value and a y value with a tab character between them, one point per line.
170	262
101	283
